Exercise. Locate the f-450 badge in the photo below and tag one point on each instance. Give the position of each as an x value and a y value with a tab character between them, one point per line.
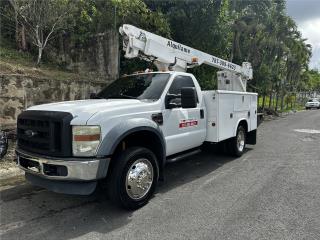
188	123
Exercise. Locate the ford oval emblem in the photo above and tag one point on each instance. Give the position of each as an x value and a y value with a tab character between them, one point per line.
29	133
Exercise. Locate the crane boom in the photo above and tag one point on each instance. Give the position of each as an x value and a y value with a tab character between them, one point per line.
167	54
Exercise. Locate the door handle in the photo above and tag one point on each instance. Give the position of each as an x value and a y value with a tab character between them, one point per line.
201	113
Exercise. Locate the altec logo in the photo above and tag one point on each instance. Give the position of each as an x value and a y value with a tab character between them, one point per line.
188	123
178	46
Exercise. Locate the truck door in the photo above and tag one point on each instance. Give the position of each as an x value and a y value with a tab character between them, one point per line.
183	128
253	113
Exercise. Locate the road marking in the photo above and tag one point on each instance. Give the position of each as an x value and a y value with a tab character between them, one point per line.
210	180
312	131
10	226
245	158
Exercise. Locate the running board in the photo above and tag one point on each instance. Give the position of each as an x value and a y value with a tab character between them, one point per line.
178	157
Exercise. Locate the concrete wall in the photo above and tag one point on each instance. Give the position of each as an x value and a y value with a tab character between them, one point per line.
17	92
100	54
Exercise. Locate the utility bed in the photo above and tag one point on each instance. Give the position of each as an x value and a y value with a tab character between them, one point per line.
225	109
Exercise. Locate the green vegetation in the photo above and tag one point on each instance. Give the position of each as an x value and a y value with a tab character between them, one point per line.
13	61
290	103
259	32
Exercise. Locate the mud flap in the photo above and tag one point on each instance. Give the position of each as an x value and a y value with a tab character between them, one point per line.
252	137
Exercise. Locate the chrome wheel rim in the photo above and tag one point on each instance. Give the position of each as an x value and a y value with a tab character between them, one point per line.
139	179
240	140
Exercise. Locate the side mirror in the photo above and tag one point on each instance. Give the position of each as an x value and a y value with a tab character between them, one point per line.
93	95
188	97
173	101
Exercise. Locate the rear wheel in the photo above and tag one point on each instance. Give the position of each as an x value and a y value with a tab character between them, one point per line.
133	179
238	143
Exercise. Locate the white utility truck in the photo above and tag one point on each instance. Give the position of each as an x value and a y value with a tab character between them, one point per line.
127	133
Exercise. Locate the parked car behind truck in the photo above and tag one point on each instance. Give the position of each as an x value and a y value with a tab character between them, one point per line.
312	103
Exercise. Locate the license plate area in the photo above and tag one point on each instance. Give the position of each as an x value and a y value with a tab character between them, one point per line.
29	164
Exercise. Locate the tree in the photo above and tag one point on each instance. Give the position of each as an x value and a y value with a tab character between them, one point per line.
41	19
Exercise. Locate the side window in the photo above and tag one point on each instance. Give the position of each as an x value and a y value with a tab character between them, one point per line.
180	82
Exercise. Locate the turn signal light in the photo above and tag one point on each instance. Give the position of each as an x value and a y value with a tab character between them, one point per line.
194	60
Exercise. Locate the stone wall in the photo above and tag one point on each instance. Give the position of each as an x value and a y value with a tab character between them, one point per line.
17	92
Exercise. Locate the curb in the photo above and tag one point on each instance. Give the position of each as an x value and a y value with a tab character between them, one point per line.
10	172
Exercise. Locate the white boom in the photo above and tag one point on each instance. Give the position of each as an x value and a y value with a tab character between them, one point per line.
169	55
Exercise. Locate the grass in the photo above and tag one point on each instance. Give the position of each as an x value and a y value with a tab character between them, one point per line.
296	106
16	62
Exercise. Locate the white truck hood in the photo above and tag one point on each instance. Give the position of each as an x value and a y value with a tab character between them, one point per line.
82	110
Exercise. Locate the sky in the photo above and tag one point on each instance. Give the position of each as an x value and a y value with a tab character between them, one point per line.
306	13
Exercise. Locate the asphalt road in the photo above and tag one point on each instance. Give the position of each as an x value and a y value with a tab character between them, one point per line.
272	192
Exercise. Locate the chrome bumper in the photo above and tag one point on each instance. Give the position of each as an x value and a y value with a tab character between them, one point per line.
73	169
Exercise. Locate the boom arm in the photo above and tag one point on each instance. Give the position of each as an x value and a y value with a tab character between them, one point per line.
168	54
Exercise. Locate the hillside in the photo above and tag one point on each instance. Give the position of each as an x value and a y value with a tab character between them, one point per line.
15	62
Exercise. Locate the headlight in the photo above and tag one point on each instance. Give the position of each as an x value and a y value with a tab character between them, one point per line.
85	140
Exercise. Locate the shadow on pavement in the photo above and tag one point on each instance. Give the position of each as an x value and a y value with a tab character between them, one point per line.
34	213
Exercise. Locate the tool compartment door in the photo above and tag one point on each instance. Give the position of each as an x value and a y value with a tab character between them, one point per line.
254	112
227	117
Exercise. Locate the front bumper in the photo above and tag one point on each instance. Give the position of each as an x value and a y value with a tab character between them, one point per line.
65	169
312	106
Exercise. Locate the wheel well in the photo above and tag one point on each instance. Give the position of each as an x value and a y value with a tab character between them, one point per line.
244	124
143	138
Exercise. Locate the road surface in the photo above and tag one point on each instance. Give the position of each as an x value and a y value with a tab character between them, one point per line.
272	192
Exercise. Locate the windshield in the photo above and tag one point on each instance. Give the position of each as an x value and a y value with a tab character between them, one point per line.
143	86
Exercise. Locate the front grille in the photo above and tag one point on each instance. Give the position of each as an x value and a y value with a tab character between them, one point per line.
45	132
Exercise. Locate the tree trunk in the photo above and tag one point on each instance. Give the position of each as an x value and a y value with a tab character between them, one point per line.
40	49
277	101
263	100
23	38
17	30
61	49
294	100
282	100
270	100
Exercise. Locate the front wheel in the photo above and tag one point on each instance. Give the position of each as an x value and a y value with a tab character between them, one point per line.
133	178
238	143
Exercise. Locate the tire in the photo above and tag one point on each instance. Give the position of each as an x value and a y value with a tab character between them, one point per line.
237	148
123	190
